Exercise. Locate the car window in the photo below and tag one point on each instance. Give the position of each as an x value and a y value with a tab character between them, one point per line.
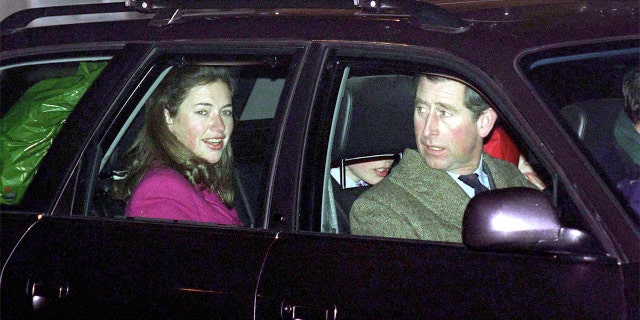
257	90
583	87
373	121
263	100
37	97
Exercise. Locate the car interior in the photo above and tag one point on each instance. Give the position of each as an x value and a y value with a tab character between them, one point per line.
590	98
37	97
593	121
374	120
26	75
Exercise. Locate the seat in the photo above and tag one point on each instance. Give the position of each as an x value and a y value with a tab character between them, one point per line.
592	119
375	119
593	122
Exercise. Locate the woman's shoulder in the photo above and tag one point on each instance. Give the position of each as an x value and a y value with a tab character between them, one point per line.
162	177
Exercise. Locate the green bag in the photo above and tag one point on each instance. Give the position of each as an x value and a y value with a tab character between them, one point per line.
29	127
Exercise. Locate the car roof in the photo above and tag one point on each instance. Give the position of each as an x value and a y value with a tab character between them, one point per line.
522	23
478	11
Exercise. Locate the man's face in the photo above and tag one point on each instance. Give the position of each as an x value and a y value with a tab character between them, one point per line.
447	135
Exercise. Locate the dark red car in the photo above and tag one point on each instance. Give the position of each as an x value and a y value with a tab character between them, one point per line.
321	83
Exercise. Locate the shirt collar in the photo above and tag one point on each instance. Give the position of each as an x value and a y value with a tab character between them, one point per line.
482	176
349	183
478	171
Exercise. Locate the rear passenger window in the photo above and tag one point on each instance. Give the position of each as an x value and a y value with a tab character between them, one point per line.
239	132
36	100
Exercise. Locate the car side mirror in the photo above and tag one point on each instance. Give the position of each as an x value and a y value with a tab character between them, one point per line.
515	219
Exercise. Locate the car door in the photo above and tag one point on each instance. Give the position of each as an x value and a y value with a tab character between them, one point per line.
84	259
336	275
38	94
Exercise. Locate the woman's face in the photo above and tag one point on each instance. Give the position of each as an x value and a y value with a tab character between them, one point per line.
204	121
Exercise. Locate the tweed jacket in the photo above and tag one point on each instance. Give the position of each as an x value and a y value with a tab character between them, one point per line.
417	202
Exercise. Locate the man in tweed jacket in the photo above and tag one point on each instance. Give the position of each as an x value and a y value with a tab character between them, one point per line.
422	197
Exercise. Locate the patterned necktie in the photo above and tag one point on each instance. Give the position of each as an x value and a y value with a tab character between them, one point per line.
472	181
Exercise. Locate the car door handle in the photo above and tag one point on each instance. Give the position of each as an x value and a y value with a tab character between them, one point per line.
41	293
295	312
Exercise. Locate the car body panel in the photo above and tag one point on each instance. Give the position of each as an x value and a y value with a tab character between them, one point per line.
85	267
14	226
111	268
436	281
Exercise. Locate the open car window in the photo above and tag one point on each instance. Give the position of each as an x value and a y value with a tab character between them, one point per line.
373	120
258	88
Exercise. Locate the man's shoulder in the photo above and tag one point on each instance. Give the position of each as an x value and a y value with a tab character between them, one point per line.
502	165
385	192
412	163
506	174
385	188
411	172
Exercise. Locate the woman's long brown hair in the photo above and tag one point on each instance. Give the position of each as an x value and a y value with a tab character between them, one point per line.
156	146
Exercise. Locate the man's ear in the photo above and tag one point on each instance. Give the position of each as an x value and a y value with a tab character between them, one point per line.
485	122
168	119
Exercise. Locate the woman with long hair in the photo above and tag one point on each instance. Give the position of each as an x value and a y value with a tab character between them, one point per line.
180	166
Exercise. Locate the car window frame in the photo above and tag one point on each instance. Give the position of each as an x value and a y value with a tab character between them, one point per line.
584	54
615	229
50	59
132	99
457	67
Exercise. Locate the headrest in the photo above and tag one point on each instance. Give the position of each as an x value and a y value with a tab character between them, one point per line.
375	117
592	119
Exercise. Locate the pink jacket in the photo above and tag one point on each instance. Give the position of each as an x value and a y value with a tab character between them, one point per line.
163	193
